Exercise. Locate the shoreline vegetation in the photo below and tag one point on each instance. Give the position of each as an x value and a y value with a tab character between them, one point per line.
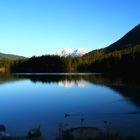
126	85
124	62
121	57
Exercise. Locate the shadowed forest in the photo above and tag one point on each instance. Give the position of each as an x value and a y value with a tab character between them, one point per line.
117	62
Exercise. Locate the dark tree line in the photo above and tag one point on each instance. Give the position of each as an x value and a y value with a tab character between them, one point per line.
40	64
5	64
48	64
122	62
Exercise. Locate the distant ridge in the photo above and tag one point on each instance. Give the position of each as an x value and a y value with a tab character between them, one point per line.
129	40
10	56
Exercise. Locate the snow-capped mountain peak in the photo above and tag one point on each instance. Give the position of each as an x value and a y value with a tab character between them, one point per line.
69	52
66	52
79	52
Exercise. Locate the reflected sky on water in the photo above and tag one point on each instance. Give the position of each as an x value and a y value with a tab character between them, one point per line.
30	100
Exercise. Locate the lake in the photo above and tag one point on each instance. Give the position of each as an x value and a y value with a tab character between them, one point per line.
30	100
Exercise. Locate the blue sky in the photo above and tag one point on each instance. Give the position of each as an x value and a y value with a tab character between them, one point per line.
36	27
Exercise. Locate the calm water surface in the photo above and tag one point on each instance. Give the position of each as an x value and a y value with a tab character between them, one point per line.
27	101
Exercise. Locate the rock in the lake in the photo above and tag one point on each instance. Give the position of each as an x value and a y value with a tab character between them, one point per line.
2	128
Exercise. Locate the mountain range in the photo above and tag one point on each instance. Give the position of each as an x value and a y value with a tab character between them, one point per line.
129	40
73	53
121	57
10	56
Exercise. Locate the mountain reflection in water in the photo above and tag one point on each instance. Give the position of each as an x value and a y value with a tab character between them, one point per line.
127	86
69	84
30	99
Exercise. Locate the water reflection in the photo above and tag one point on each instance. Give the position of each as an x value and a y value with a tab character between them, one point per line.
81	83
32	99
127	86
4	78
69	84
66	84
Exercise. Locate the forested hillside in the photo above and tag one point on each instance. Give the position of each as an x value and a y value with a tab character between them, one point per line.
6	61
124	62
122	57
10	56
131	39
